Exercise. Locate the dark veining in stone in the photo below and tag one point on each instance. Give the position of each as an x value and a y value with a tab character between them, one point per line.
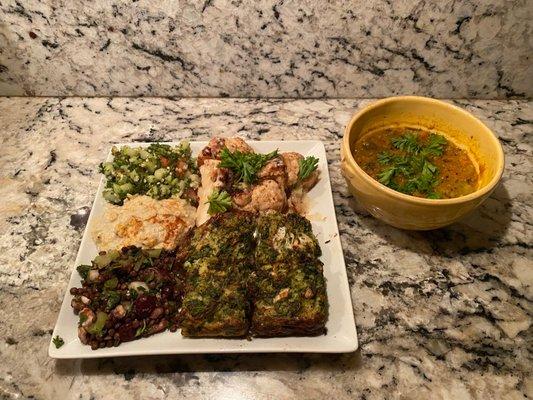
78	220
447	311
269	49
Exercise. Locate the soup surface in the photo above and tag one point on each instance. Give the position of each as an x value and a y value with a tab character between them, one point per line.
417	162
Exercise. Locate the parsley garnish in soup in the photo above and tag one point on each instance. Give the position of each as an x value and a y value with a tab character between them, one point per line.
417	162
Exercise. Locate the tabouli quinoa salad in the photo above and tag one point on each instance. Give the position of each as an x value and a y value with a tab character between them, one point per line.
159	171
217	245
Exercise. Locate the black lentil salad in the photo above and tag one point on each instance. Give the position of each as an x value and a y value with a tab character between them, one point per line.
127	295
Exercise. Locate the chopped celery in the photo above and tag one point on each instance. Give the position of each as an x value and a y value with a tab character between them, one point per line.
98	326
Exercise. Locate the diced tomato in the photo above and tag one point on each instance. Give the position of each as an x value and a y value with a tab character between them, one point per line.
164	161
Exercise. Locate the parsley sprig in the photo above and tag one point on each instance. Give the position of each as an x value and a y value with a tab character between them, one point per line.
306	167
245	165
407	142
411	170
219	202
58	341
141	329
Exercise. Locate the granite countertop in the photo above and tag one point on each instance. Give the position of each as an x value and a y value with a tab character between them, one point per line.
443	314
269	48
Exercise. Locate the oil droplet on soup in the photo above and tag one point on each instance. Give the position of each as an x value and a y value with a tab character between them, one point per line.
417	162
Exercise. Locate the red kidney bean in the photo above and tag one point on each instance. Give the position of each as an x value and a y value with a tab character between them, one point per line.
156	313
126	332
144	305
160	326
167	292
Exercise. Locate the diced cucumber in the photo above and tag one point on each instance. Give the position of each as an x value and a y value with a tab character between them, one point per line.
164	190
149	171
108	168
150	166
111	197
134	176
160	173
130	151
144	154
126	188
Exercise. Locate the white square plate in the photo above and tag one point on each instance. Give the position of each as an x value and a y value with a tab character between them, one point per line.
341	333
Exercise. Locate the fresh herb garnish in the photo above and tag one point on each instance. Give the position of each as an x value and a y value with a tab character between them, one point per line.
386	175
83	270
245	165
408	143
306	167
219	202
133	294
141	329
195	307
385	157
411	170
83	318
58	341
113	298
435	146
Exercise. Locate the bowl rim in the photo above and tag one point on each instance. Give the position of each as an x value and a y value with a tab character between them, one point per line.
421	200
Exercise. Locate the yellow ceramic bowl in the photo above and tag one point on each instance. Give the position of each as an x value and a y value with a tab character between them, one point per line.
459	126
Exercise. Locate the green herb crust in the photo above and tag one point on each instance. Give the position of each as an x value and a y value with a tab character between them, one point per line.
238	262
289	289
218	267
282	237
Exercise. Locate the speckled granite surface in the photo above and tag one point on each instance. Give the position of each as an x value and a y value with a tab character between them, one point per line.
267	48
444	314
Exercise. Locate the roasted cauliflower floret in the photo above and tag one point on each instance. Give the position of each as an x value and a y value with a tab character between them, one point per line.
310	181
292	166
237	144
292	163
275	170
242	198
267	195
217	144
